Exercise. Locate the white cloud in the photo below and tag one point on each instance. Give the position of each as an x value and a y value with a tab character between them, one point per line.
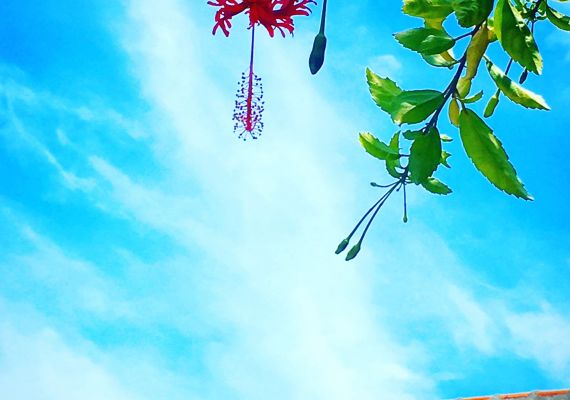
62	137
69	179
39	365
77	286
298	322
386	65
475	326
167	213
17	92
257	224
545	337
40	361
302	324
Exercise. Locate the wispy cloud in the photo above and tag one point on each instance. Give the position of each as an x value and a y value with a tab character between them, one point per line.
247	300
39	365
70	179
386	65
545	337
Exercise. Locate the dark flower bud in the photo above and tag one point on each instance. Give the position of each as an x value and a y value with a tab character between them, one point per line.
523	77
342	246
353	252
317	58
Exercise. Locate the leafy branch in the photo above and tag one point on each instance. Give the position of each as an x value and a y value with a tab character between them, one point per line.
510	23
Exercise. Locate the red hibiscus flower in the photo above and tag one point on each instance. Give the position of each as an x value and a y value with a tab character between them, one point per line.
272	14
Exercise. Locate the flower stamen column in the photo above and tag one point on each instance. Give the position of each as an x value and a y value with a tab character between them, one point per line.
249	103
272	15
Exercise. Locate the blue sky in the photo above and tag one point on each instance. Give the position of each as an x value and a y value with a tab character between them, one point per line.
149	254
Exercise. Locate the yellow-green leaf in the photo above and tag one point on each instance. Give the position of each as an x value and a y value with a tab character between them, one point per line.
491	27
435	186
426	41
428	9
411	107
376	148
383	90
473	99
440	60
394	162
558	19
475	51
472	12
515	37
488	155
463	87
514	91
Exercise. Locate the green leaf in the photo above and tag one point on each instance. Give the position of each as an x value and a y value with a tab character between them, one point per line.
435	186
445	138
472	12
412	135
428	9
559	20
376	148
514	91
444	157
391	162
515	37
475	51
488	155
382	90
425	155
414	106
463	86
438	60
473	99
426	41
491	28
519	5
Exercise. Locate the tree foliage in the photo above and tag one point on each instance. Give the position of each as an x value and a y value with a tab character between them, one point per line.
416	151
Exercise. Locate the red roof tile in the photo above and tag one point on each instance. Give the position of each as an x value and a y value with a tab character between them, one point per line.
563	394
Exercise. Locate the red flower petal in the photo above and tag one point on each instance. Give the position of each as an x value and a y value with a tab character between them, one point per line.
272	14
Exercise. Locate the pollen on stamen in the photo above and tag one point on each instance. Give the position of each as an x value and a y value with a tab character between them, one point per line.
249	107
